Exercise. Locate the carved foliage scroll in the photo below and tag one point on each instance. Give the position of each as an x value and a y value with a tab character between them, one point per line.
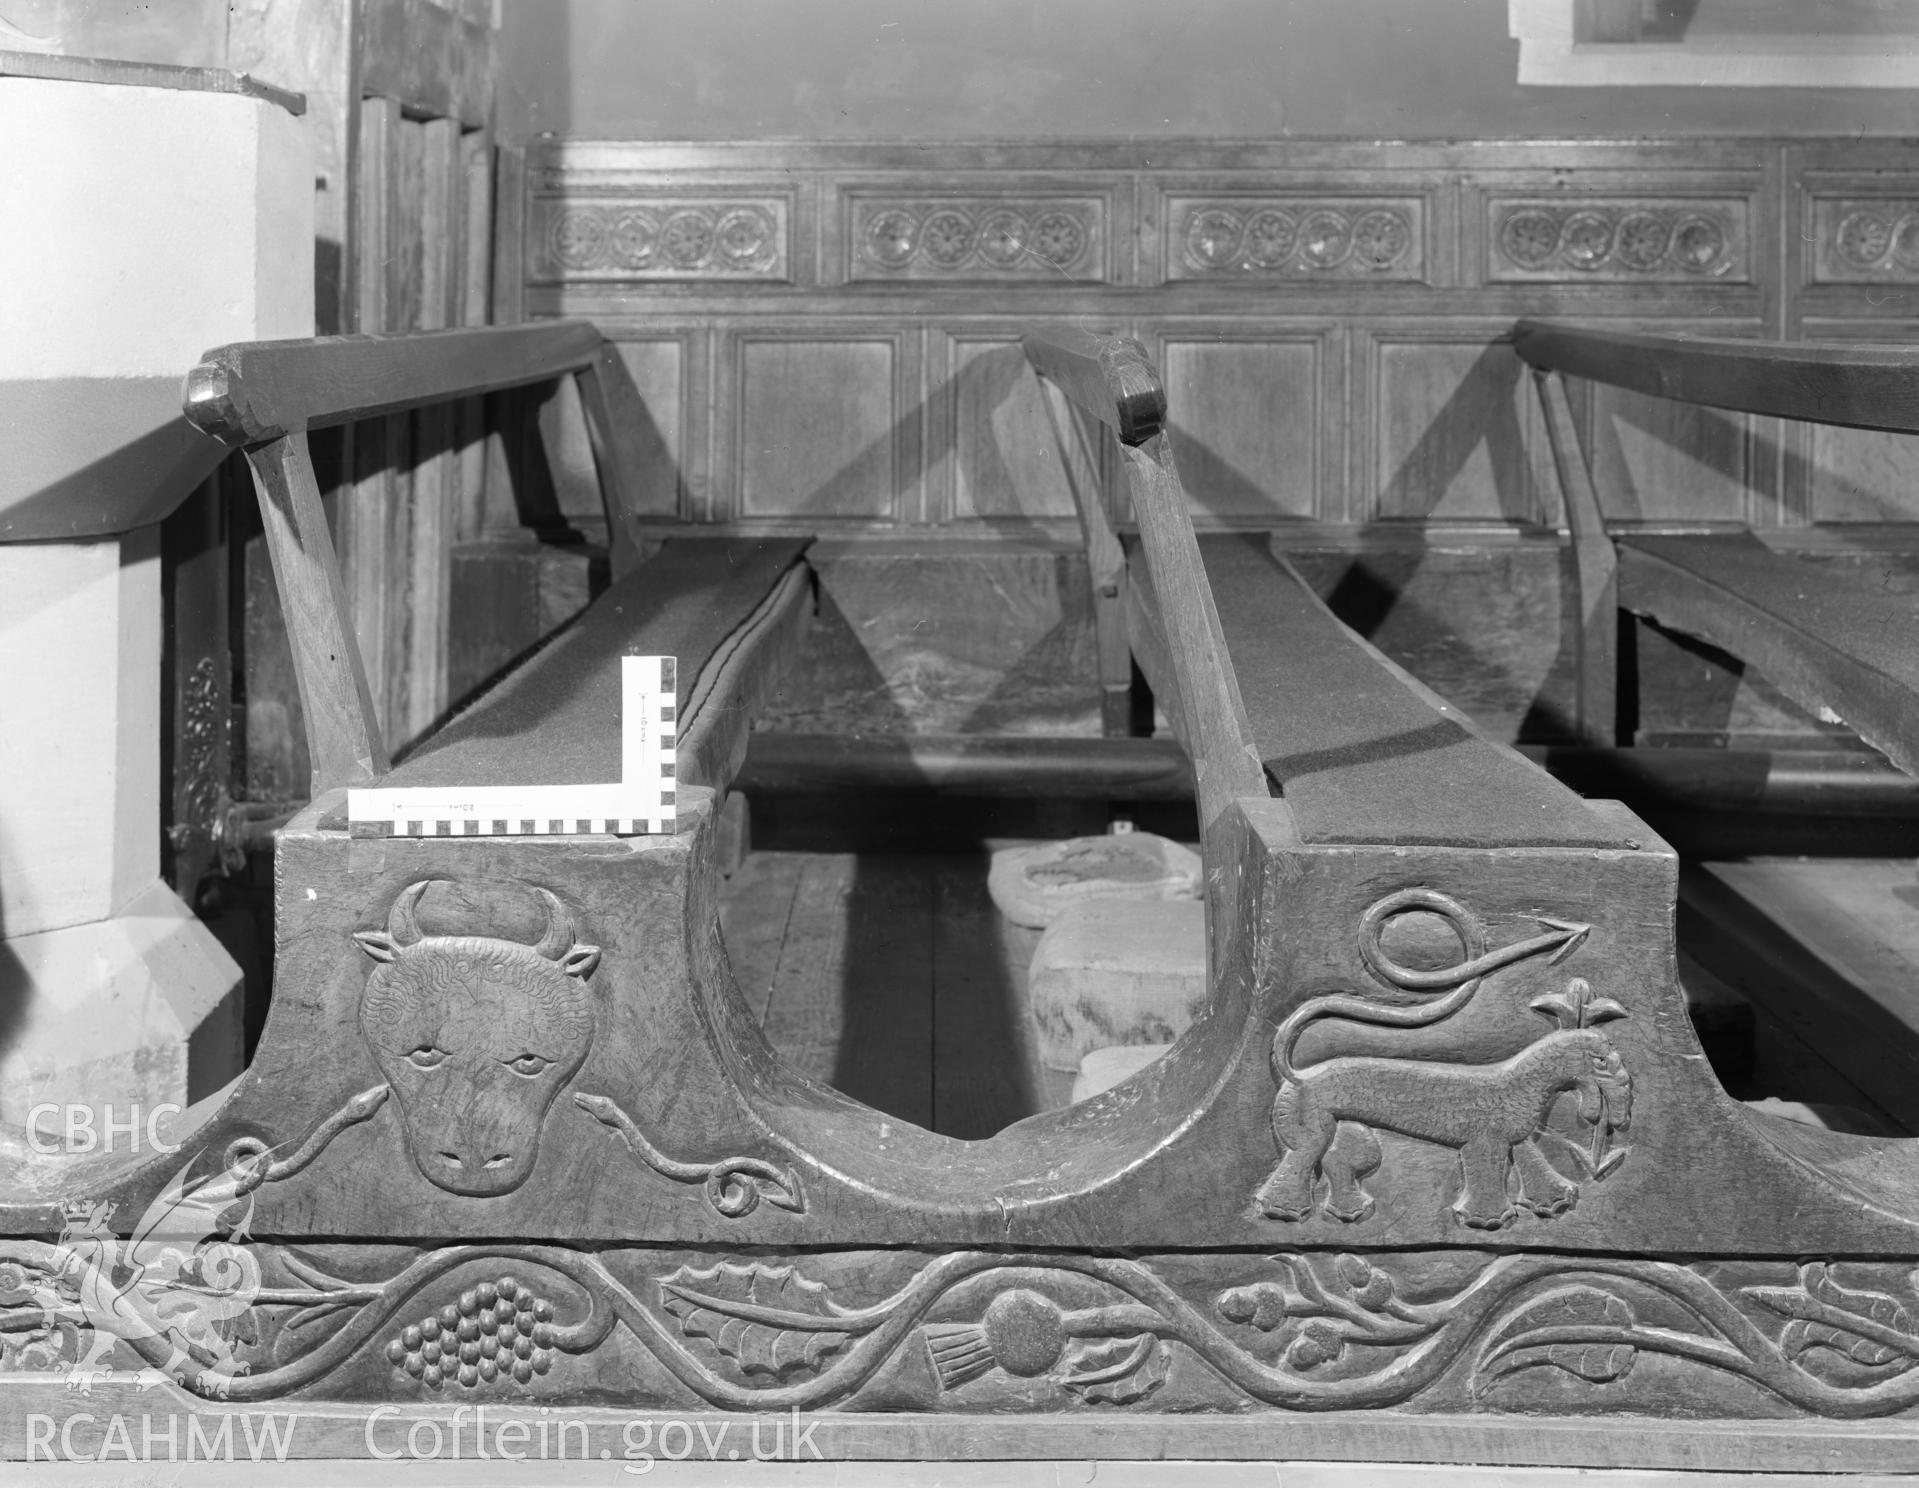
970	1331
1865	240
1296	237
1659	241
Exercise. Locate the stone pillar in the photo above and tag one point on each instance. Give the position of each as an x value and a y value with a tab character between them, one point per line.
143	227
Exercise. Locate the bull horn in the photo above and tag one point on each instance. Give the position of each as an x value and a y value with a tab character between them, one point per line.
558	939
401	927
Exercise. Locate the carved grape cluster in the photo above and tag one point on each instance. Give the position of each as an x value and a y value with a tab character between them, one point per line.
497	1329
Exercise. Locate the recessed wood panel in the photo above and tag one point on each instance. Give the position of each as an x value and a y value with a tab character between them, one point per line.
1636	240
1860	475
1448	432
1006	460
816	428
1245	418
1653	458
1295	237
647	237
658	370
1043	238
1866	239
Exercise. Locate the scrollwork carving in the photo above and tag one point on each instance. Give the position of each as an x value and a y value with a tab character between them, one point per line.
1867	241
979	1331
980	237
1296	236
663	239
1617	240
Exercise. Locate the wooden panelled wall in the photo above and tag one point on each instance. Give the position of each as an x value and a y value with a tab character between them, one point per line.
421	259
825	333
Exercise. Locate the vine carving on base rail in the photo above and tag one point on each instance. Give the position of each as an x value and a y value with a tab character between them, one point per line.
971	1330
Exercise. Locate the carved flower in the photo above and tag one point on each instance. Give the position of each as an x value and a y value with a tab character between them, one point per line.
1380	239
1529	238
1271	236
949	238
634	237
1905	241
745	236
1586	239
577	237
1059	239
1698	243
891	237
1642	241
1325	238
1003	238
1864	238
687	239
1212	237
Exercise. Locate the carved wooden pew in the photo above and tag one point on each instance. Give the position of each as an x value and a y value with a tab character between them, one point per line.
1839	645
1806	941
1440	1174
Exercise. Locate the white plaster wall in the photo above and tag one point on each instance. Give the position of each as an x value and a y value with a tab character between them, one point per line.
146	225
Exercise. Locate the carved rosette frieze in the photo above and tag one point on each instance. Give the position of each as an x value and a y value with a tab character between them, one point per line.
961	238
654	238
1296	237
986	1332
1865	240
1658	242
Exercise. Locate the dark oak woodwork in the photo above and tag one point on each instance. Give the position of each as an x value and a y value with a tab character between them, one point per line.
1838	644
260	390
1441	1149
1854	387
343	731
555	719
1113	381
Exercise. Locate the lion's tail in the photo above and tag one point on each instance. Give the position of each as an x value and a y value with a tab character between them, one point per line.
1360	1010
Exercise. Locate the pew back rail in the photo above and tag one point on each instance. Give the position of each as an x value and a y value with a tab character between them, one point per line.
264	398
1842	647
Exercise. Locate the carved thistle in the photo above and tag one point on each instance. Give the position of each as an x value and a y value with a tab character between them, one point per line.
1495	1114
1296	237
1671	242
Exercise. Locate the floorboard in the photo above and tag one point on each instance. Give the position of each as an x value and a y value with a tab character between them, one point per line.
893	978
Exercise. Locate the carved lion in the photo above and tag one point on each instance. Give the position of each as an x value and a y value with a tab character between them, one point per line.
1491	1113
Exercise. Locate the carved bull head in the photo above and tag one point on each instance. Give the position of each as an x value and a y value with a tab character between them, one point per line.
476	1036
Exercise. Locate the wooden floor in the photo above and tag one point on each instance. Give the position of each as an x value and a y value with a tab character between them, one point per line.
893	978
